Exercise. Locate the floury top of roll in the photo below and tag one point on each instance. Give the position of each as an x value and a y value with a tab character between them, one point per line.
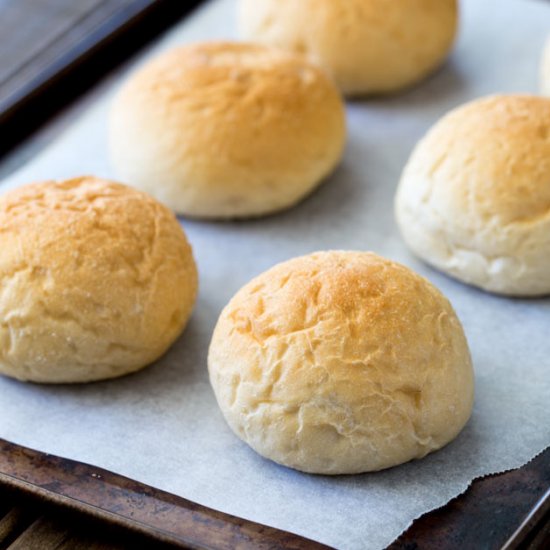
474	198
227	130
341	362
98	280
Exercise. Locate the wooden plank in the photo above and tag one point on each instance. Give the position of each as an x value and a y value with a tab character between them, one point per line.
33	524
42	534
80	541
13	523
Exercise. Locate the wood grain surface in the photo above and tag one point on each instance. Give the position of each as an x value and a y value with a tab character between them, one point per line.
29	524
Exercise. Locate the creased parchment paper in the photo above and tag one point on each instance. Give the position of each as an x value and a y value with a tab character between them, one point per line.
162	426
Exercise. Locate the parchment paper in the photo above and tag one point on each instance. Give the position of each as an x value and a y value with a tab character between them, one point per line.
162	426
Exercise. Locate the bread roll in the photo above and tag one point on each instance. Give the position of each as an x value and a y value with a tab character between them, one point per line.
340	363
368	46
227	130
474	198
98	280
545	70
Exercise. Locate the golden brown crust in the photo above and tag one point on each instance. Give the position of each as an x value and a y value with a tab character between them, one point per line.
227	129
98	280
474	199
369	46
341	362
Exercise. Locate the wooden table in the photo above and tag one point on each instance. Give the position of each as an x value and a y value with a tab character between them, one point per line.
28	524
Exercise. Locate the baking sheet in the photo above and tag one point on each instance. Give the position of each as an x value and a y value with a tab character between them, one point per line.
162	426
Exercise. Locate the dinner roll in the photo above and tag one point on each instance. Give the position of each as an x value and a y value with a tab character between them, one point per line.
98	280
340	363
545	70
368	46
227	130
474	198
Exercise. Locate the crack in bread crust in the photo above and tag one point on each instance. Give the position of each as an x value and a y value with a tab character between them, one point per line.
352	363
96	280
474	198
